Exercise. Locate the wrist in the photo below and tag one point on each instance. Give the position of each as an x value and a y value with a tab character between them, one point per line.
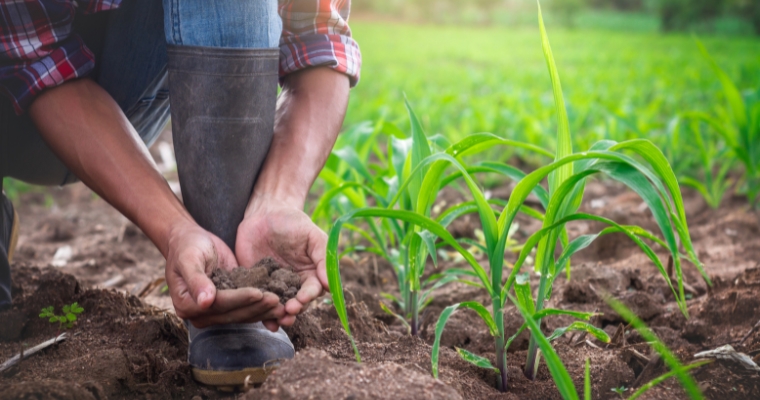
175	229
264	197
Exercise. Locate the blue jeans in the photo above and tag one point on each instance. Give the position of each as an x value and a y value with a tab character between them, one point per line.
130	51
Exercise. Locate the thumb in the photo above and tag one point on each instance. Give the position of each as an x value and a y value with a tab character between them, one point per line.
193	264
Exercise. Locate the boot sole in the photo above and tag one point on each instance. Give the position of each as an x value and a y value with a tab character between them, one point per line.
14	237
233	380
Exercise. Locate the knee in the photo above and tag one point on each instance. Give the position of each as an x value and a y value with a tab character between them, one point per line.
235	23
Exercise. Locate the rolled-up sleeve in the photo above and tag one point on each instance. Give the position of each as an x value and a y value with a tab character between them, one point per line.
316	33
38	49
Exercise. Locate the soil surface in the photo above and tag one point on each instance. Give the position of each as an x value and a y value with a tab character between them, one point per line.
129	344
267	275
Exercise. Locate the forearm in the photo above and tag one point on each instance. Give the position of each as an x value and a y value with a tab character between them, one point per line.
88	131
309	116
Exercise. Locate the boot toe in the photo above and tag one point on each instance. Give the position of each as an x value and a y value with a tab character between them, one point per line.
236	355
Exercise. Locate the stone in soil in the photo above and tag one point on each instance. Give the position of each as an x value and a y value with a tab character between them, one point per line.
267	275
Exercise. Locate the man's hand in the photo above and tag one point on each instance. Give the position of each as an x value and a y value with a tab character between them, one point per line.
193	254
310	112
286	234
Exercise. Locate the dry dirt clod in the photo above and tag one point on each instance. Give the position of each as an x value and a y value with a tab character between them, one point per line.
267	275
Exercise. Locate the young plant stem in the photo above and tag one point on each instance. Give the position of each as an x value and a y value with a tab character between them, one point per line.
501	352
415	324
531	364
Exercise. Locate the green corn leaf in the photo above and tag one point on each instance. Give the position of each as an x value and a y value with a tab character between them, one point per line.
564	141
442	319
478	142
512	338
417	257
587	381
469	207
688	383
400	149
444	280
557	369
400	318
475	359
334	180
393	298
701	188
484	315
329	195
554	311
349	156
502	169
420	151
524	295
460	272
392	130
662	378
732	94
581	326
653	155
440	140
429	240
473	243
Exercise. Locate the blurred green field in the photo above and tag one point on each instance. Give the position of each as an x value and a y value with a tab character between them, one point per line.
464	79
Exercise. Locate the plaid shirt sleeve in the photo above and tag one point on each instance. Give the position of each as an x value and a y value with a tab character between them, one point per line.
315	33
38	49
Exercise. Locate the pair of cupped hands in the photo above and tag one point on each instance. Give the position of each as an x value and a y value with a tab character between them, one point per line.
282	232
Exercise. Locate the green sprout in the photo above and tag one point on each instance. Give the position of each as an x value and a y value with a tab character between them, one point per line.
620	390
67	319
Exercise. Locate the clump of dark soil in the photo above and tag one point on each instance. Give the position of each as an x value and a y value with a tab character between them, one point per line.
267	275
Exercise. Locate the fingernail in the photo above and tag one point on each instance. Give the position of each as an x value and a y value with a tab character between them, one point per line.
202	296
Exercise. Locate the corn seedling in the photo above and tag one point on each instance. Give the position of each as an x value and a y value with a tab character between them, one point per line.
715	166
652	179
738	124
352	180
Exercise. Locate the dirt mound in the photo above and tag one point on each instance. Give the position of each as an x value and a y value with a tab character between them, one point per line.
313	374
266	275
119	348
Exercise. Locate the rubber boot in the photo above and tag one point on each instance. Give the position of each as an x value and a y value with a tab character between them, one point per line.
222	106
8	239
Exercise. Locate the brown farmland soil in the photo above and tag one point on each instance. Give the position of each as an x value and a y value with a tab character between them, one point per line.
266	275
129	344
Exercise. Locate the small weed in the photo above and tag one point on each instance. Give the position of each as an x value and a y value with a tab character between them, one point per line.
68	317
620	390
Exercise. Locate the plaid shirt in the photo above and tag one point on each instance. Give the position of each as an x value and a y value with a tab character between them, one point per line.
38	49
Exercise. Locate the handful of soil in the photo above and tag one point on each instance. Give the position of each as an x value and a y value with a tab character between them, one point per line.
267	275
